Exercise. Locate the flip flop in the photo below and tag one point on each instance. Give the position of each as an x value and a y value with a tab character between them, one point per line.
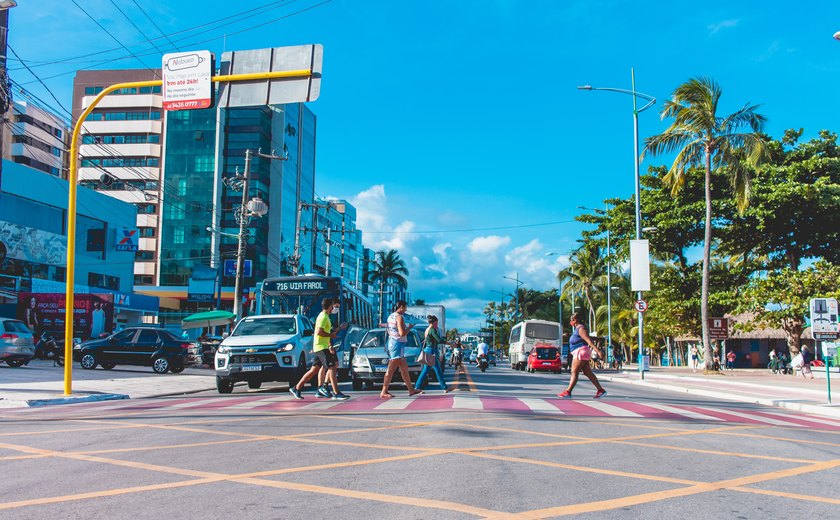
385	396
415	393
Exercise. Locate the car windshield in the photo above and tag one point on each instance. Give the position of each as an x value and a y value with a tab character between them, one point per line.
546	353
265	326
15	326
378	339
542	331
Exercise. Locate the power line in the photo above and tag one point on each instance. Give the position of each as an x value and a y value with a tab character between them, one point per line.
468	230
156	26
135	26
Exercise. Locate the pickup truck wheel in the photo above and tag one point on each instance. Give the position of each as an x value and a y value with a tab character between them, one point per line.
224	386
254	384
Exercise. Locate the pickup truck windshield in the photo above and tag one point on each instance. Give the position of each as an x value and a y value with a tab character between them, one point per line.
265	326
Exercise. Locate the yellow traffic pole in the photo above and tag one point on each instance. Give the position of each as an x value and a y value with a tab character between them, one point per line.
72	179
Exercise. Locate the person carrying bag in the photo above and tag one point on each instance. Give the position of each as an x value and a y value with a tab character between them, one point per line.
429	356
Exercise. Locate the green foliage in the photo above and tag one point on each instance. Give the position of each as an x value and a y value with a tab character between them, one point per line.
781	299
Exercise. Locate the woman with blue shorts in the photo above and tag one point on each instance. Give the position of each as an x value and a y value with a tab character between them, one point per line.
397	340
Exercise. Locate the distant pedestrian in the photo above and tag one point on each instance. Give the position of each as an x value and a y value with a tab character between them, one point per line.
580	344
806	362
730	360
325	356
431	343
397	340
695	358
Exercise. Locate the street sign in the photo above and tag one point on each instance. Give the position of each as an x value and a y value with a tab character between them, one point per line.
639	265
641	305
718	328
186	80
824	324
230	268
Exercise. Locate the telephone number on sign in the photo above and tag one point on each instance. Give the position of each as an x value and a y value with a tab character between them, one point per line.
180	105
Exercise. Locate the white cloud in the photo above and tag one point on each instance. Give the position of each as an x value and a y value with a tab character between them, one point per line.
487	245
715	28
374	219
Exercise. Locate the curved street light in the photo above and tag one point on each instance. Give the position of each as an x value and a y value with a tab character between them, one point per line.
837	35
650	102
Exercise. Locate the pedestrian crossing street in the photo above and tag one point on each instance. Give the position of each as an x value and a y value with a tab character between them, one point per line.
459	401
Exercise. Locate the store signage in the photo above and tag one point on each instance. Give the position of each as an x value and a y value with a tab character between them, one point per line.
187	80
127	240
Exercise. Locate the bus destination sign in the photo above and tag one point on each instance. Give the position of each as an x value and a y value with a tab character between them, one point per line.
297	286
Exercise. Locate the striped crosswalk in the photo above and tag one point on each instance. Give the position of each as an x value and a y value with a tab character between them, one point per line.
457	401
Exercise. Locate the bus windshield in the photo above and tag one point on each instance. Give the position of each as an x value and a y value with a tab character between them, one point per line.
304	294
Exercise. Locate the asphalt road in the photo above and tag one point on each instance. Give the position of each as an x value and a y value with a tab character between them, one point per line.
500	446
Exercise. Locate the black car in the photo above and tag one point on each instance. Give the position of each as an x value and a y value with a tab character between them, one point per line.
144	346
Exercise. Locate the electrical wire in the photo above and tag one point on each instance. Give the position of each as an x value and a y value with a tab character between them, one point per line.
156	26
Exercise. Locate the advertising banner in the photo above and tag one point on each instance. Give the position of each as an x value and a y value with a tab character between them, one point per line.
33	245
93	314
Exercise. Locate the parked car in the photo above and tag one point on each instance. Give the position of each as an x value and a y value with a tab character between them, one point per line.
473	356
143	346
272	347
17	344
371	360
544	358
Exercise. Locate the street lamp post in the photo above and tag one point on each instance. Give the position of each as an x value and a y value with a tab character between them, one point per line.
650	102
518	285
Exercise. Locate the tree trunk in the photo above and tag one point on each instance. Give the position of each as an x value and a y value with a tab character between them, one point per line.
793	334
707	253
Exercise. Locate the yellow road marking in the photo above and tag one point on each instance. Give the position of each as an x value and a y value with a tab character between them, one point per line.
645	498
472	386
795	496
716	452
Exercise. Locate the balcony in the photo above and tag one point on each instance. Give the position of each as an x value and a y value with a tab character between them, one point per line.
138	173
122	127
126	101
120	150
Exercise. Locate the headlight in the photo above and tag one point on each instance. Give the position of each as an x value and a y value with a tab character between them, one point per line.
360	361
286	348
222	349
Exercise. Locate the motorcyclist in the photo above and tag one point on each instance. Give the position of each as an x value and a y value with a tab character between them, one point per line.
457	352
483	351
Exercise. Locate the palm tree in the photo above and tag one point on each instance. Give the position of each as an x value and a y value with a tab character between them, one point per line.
585	275
701	138
388	267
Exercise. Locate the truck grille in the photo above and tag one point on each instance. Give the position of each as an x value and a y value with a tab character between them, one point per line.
242	359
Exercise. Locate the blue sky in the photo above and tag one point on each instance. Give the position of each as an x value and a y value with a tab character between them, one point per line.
439	116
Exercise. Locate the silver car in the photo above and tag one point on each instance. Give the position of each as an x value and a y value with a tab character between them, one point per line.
17	344
370	360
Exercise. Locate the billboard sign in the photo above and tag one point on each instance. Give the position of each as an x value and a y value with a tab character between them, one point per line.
93	314
639	265
230	268
186	80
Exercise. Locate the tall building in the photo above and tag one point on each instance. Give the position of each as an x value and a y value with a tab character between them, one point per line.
338	244
121	145
36	138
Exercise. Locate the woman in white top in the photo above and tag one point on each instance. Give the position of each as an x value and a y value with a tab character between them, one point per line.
397	339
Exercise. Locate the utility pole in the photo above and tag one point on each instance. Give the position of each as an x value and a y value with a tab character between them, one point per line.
5	87
249	208
329	251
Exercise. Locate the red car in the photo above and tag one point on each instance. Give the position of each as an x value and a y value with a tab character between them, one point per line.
545	358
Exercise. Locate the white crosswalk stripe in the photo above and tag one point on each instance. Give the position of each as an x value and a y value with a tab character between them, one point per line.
257	402
809	418
684	413
322	404
468	403
189	404
539	405
613	411
395	403
758	418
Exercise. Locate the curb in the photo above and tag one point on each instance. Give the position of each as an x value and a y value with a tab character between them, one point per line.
24	403
832	411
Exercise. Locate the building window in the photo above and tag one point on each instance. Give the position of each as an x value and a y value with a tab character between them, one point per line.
144	279
144	255
146	209
104	281
147	232
178	237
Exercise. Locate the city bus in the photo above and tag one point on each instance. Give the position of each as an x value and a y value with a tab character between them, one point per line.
303	295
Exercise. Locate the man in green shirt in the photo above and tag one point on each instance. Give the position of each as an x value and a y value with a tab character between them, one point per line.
325	357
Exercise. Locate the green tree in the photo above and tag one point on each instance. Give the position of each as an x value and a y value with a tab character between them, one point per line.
388	267
702	138
781	299
585	275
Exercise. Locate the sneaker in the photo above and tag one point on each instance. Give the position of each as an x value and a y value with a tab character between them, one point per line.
324	392
565	394
295	392
340	397
600	393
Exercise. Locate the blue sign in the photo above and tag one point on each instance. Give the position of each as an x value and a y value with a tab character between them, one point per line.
230	268
127	240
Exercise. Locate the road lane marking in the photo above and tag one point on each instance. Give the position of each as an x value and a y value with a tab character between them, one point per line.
753	417
715	452
611	410
646	498
795	496
810	418
682	412
395	403
467	403
540	405
472	386
258	402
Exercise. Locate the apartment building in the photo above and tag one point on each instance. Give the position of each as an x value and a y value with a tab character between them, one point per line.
35	137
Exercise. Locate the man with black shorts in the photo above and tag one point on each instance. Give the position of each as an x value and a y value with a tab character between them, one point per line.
325	356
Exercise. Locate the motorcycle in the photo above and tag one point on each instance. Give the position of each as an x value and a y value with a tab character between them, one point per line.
482	362
457	358
47	348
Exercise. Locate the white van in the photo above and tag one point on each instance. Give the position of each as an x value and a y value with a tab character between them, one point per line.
526	334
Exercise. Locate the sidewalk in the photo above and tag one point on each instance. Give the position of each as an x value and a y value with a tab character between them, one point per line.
40	383
758	386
